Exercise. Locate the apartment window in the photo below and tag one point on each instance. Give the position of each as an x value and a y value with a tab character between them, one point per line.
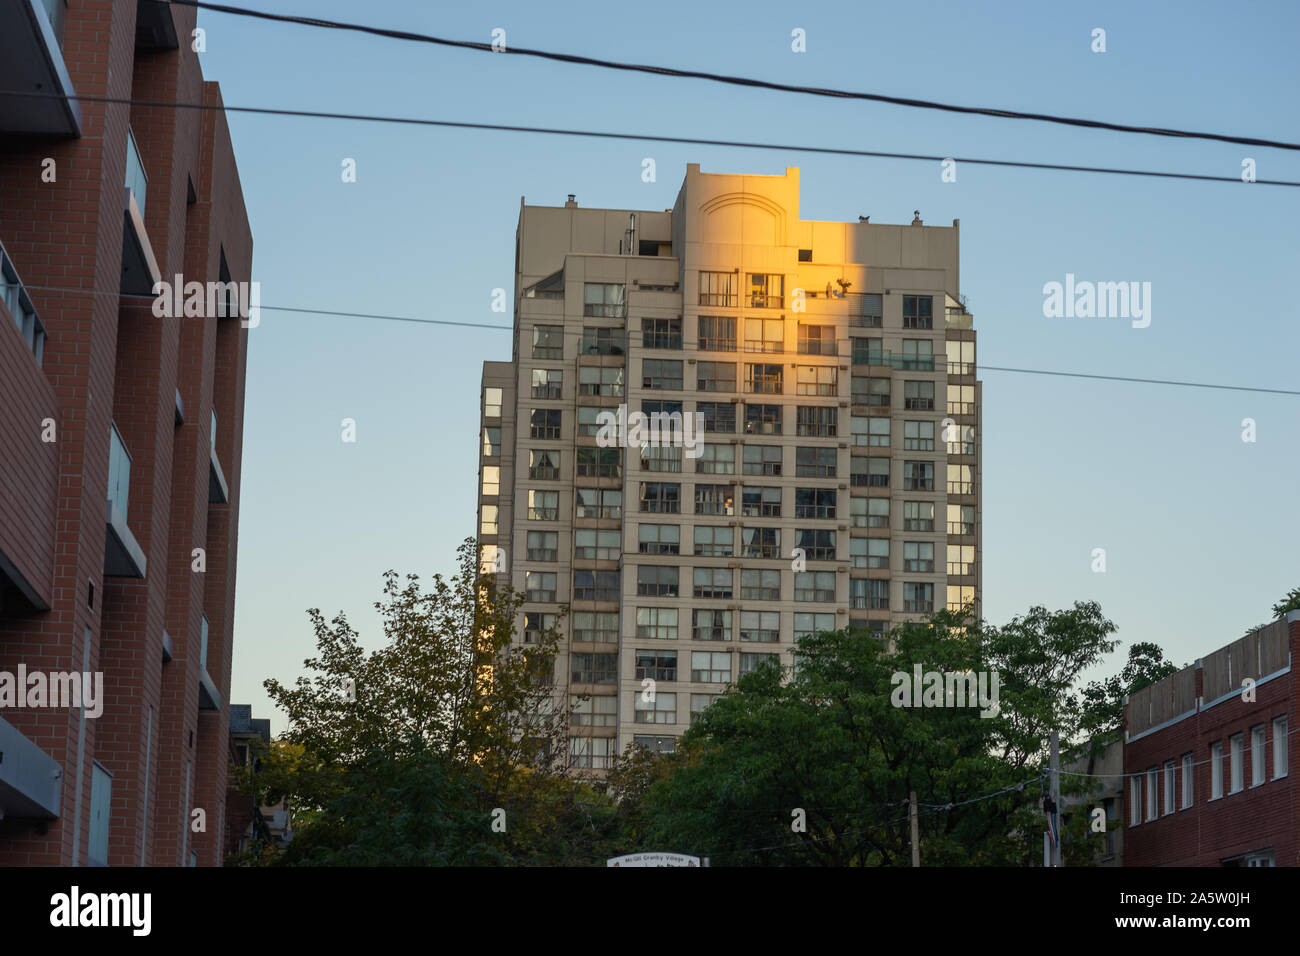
816	586
544	423
817	544
603	299
700	703
918	598
714	500
1153	793
760	542
710	625
806	625
918	355
961	479
594	712
918	312
759	585
870	472
595	627
594	668
658	623
718	288
918	515
918	556
592	753
543	505
547	383
766	290
492	404
1279	748
820	380
653	580
656	744
713	542
814	502
600	463
876	510
491	443
1236	757
762	419
867	310
961	559
918	396
1257	756
659	539
101	801
961	519
543	465
656	665
918	436
602	341
543	546
588	421
858	594
592	545
548	342
661	708
764	335
817	340
878	595
870	432
540	586
764	378
716	377
713	583
961	399
717	333
816	421
760	502
868	351
667	458
661	373
961	357
960	597
869	553
661	333
598	503
711	667
661	497
760	626
537	624
762	460
1216	770
963	439
918	476
1187	781
1135	800
815	462
871	391
491	520
1169	787
718	416
600	380
716	460
491	480
24	314
750	662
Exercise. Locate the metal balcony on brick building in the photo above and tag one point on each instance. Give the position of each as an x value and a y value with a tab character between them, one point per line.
31	61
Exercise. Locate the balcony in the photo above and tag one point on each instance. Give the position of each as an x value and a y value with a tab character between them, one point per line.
21	310
218	489
209	696
30	779
31	61
123	556
140	269
154	27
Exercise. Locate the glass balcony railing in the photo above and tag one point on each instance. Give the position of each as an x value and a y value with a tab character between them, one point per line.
214	431
203	650
57	11
885	357
119	471
136	180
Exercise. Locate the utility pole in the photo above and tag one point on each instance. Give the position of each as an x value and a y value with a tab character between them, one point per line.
1055	766
916	832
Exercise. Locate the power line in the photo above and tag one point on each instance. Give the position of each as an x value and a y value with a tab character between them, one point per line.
648	137
736	80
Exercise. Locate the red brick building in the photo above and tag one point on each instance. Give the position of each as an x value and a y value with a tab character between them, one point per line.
120	435
1208	754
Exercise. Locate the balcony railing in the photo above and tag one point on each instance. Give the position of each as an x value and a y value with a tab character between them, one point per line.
885	357
57	11
136	180
961	527
119	471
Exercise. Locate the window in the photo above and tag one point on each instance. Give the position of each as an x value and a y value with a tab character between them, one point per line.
760	626
666	458
1153	793
718	288
656	665
710	667
918	436
750	662
918	396
101	801
918	476
659	539
718	416
918	515
918	556
600	463
764	378
961	559
961	399
656	745
544	423
818	544
598	503
713	542
660	709
539	585
594	753
712	583
661	373
594	668
716	460
918	598
762	460
491	520
603	380
653	580
760	502
806	625
588	421
760	542
1216	770
876	510
869	553
871	391
762	419
961	479
814	462
491	443
814	503
816	421
756	585
1187	780
603	299
961	357
714	500
548	342
764	335
1169	787
662	497
918	355
960	597
491	480
918	312
878	595
537	624
594	711
1257	756
766	290
1236	758
700	703
717	333
961	519
869	472
661	333
816	586
867	310
963	439
710	625
543	465
1135	800
543	546
592	545
869	351
858	593
716	377
492	404
1279	748
595	627
543	505
659	623
872	432
547	383
820	380
29	324
817	340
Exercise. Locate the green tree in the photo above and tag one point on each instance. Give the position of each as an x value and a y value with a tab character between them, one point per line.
1291	602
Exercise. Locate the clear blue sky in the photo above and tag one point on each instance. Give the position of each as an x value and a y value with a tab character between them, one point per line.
1199	527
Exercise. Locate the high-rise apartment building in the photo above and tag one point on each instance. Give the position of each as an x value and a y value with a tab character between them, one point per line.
120	436
837	479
